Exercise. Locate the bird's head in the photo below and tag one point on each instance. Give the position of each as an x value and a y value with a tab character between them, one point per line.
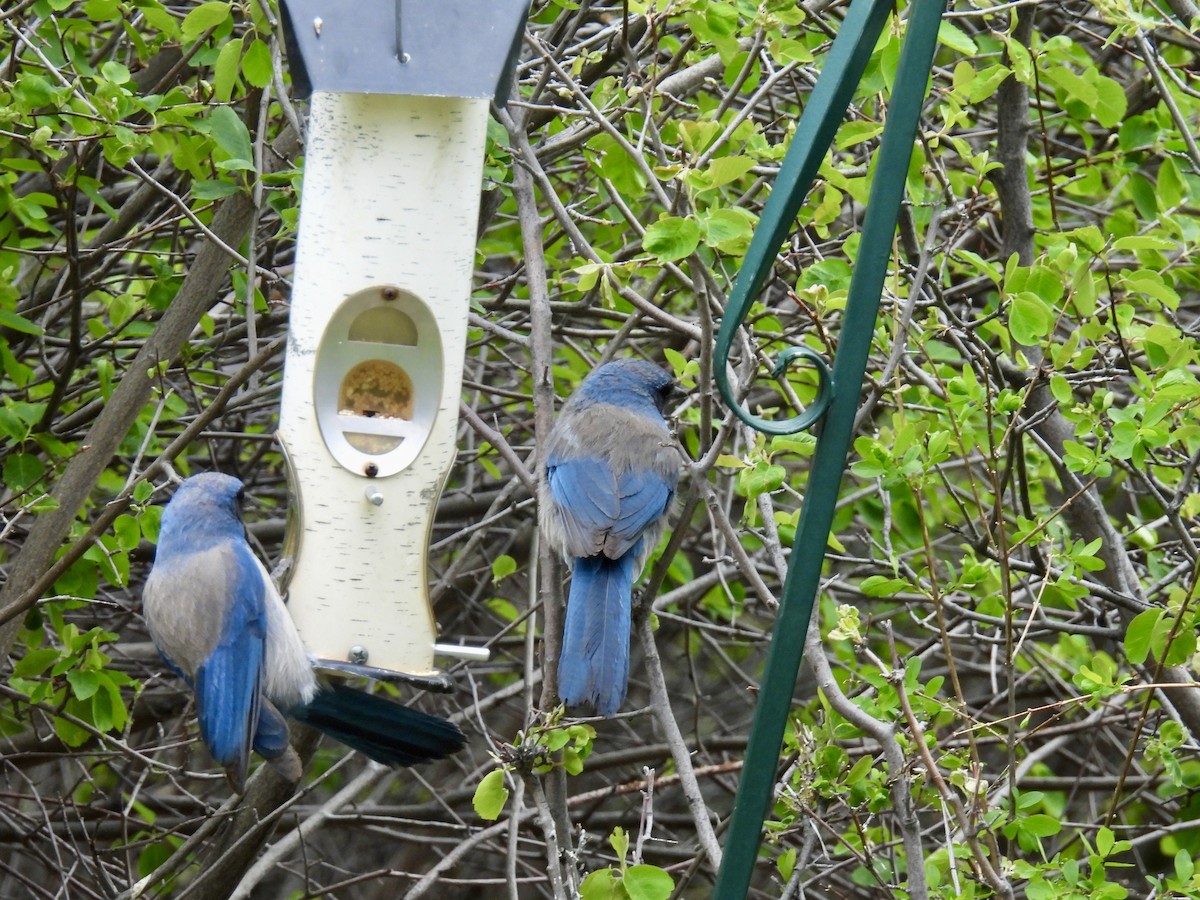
206	502
625	380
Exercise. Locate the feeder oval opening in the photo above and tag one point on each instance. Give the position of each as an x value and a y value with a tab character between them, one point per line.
378	380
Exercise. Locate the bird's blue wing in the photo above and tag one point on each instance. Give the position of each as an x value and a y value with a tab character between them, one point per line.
644	497
585	493
600	512
227	682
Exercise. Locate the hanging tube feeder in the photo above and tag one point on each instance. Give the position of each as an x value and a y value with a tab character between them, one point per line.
399	96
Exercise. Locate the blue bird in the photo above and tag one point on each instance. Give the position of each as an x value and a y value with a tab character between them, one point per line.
219	623
611	471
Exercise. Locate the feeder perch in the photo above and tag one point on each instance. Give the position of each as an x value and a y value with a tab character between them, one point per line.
399	95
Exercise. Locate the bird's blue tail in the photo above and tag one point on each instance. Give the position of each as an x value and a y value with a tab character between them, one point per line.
387	732
593	666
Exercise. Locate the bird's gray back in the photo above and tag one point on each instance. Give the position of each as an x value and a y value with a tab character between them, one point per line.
185	599
620	441
621	438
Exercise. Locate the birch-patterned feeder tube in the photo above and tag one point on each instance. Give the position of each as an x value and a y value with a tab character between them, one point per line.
393	170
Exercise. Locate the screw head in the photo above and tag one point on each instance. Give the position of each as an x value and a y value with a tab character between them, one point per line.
370	470
357	654
389	293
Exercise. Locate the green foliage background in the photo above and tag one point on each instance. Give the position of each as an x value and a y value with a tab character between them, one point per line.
1001	698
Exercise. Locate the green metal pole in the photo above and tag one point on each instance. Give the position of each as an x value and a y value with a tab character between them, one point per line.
800	588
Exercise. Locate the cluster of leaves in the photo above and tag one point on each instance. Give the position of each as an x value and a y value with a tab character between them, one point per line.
71	677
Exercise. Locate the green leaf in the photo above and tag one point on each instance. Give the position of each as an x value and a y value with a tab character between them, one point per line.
859	770
729	230
984	84
882	586
231	135
677	361
154	855
102	10
1153	285
1139	633
1042	281
101	712
257	65
214	190
1075	87
84	683
490	795
36	662
853	133
1181	648
32	91
602	884
762	478
1040	825
1184	866
1109	108
644	882
18	323
203	17
786	863
671	238
127	532
122	309
502	566
1089	236
1171	186
1019	59
619	841
158	17
725	169
1061	389
225	70
143	491
114	71
91	188
1144	242
956	39
802	443
69	733
118	711
721	18
696	136
22	471
1029	319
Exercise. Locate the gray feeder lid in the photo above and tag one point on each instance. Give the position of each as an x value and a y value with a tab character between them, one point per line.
432	48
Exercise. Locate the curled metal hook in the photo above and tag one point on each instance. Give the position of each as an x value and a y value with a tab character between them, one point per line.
802	422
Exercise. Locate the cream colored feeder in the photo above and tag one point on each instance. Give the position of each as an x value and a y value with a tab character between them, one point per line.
377	331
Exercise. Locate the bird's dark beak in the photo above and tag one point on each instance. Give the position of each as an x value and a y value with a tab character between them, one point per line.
675	396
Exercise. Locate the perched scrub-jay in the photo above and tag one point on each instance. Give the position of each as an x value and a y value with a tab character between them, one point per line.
219	622
611	471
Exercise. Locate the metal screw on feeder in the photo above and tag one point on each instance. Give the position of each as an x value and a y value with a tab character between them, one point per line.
377	330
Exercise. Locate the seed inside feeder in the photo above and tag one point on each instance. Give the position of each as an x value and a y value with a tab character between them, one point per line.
376	389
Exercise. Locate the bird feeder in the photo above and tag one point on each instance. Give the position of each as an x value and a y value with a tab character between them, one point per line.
399	94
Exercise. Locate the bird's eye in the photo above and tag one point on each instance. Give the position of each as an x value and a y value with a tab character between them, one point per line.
240	497
664	395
